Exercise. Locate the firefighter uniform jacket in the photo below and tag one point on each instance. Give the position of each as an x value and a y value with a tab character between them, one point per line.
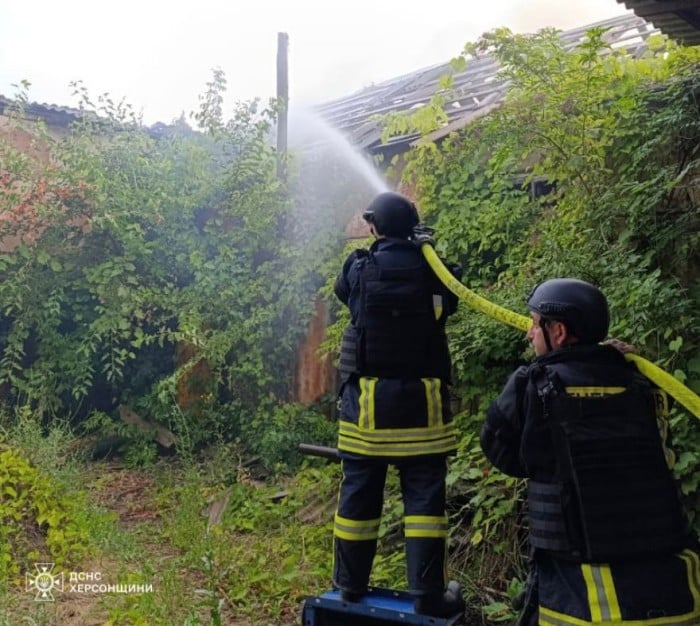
610	540
394	362
394	409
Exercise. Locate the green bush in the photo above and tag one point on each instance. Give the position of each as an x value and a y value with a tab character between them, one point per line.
609	143
277	430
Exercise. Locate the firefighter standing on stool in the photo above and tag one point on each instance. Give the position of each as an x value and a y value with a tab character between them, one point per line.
394	407
610	542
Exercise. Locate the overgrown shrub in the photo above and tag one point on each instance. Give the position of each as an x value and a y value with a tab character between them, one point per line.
277	430
159	271
609	145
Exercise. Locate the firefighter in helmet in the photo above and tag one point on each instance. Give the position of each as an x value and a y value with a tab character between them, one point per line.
610	542
394	407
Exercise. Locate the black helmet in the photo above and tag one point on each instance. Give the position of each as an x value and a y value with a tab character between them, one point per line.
580	305
392	214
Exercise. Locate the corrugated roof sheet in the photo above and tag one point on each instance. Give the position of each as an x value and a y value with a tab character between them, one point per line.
679	19
52	114
476	90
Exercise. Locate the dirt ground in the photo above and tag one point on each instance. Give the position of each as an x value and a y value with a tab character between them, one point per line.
129	493
116	489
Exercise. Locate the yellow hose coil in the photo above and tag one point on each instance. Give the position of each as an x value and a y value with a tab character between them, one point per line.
664	380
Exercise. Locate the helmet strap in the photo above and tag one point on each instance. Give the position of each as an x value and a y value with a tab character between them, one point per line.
545	333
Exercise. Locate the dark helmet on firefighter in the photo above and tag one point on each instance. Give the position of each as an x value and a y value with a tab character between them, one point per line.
579	305
392	214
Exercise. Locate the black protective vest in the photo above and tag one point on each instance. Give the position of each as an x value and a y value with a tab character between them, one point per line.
613	495
399	328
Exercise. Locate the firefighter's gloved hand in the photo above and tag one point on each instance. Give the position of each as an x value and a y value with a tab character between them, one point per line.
423	234
620	345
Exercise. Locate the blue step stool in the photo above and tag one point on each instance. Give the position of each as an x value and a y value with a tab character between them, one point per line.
380	607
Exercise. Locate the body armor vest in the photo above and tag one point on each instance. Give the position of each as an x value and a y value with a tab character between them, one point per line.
613	495
399	329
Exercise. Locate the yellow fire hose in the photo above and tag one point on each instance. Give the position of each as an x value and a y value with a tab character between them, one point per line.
664	380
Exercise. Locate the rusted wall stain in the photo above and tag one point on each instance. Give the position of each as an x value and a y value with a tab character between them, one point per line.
315	375
195	387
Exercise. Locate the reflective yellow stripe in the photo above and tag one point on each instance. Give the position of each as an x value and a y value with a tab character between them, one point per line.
438	401
366	417
426	533
355	530
352	536
552	618
357	523
443	445
362	416
433	400
548	617
425	526
610	593
395	434
591	592
692	562
583	392
416	449
602	597
429	400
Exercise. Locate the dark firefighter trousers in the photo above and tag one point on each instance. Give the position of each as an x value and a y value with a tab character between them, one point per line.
357	521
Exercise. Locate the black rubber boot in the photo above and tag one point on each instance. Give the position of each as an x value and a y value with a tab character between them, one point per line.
350	596
445	604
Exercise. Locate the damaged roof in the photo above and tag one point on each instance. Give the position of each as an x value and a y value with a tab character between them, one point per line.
678	19
476	91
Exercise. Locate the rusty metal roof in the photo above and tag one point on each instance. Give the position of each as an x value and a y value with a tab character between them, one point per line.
679	19
476	91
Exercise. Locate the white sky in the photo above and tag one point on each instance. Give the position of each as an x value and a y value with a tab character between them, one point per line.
158	55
